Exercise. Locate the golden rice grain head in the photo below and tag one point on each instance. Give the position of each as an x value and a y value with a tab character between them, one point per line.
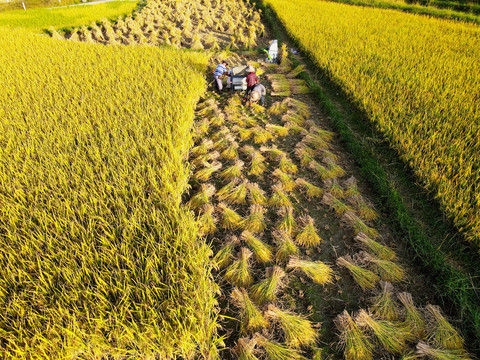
363	277
375	248
230	219
355	344
224	256
238	273
263	252
318	271
279	197
287	221
308	236
285	246
414	319
384	306
256	195
441	354
267	289
255	222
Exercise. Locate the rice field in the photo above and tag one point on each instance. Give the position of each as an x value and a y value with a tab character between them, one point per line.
99	259
40	19
416	78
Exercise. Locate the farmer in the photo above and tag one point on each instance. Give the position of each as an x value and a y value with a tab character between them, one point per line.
218	74
258	93
252	80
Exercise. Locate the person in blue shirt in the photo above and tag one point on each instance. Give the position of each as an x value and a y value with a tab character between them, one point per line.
218	74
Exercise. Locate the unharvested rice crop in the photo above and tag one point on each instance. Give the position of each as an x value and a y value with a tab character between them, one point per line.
98	259
65	17
418	80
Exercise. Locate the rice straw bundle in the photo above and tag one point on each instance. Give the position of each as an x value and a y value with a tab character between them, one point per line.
256	195
414	319
245	349
287	223
251	316
319	272
287	183
442	333
277	130
338	206
277	351
279	198
234	193
354	342
287	166
308	236
233	171
311	191
358	225
441	354
363	277
239	272
203	148
255	221
391	336
262	251
207	221
384	306
224	256
379	250
298	331
231	152
266	290
386	269
285	245
206	173
230	219
202	197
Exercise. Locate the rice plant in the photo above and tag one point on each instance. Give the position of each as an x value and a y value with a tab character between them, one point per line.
318	271
261	135
203	148
298	86
202	197
267	289
208	169
414	319
263	252
308	236
285	246
380	251
256	195
257	164
279	197
320	170
277	351
305	154
386	269
273	153
391	336
298	107
277	108
334	188
280	85
287	222
356	345
441	354
441	332
238	273
243	134
337	205
317	141
230	219
207	220
363	208
233	171
383	304
335	170
293	117
311	191
358	225
287	183
224	256
245	349
363	277
298	330
251	317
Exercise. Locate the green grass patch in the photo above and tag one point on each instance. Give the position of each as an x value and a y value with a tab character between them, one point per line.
65	17
98	257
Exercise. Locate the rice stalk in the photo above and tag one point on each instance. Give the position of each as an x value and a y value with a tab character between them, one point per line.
311	191
207	221
351	187
305	154
267	289
317	141
391	336
441	354
233	194
287	222
272	153
277	130
298	107
414	319
295	72
386	269
358	225
224	256
260	135
233	171
231	152
277	108
298	331
293	117
206	173
308	236
319	272
277	351
334	188
285	245
287	183
320	170
441	332
298	86
230	219
251	317
380	251
354	342
238	273
255	221
245	349
203	148
202	197
263	252
338	206
363	277
383	305
287	166
279	198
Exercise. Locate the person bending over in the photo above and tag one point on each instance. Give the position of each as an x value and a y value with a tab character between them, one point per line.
252	80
